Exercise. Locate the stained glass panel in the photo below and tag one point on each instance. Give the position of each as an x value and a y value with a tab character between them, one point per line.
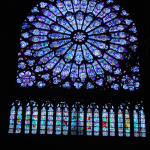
112	122
96	121
19	120
89	121
58	119
142	123
12	119
64	42
104	122
34	119
120	121
81	121
43	121
73	121
65	125
127	122
27	119
50	119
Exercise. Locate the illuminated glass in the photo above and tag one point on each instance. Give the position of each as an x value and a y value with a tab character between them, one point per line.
12	119
81	120
96	121
89	122
34	118
65	124
27	119
104	121
112	121
120	121
142	123
127	122
58	119
74	120
43	120
19	119
79	41
50	119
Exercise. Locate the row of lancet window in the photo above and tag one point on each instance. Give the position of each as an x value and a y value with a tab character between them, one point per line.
77	119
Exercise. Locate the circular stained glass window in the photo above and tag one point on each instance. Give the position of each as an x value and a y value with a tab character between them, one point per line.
78	44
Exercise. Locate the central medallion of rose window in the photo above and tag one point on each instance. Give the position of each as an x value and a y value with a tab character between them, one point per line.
79	37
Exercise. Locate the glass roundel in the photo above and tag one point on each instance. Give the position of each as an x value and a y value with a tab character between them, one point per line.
78	44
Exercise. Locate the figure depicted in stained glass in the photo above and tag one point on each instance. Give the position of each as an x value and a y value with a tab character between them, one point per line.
79	44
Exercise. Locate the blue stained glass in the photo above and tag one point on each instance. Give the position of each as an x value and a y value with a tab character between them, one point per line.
81	121
105	65
74	72
41	25
115	54
91	6
109	17
78	56
65	120
76	5
95	51
27	119
68	5
34	120
112	61
31	18
96	121
100	37
119	35
12	119
105	122
120	122
98	8
50	119
58	120
100	45
87	21
46	58
71	18
51	63
61	7
117	28
82	73
38	39
90	85
54	10
44	20
70	54
73	121
114	22
83	5
98	69
66	70
78	85
59	43
79	19
43	121
58	67
90	71
62	50
56	36
87	55
25	35
104	12
95	34
42	52
38	46
49	14
118	48
38	32
94	25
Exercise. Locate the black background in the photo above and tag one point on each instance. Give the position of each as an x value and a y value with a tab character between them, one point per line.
16	12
